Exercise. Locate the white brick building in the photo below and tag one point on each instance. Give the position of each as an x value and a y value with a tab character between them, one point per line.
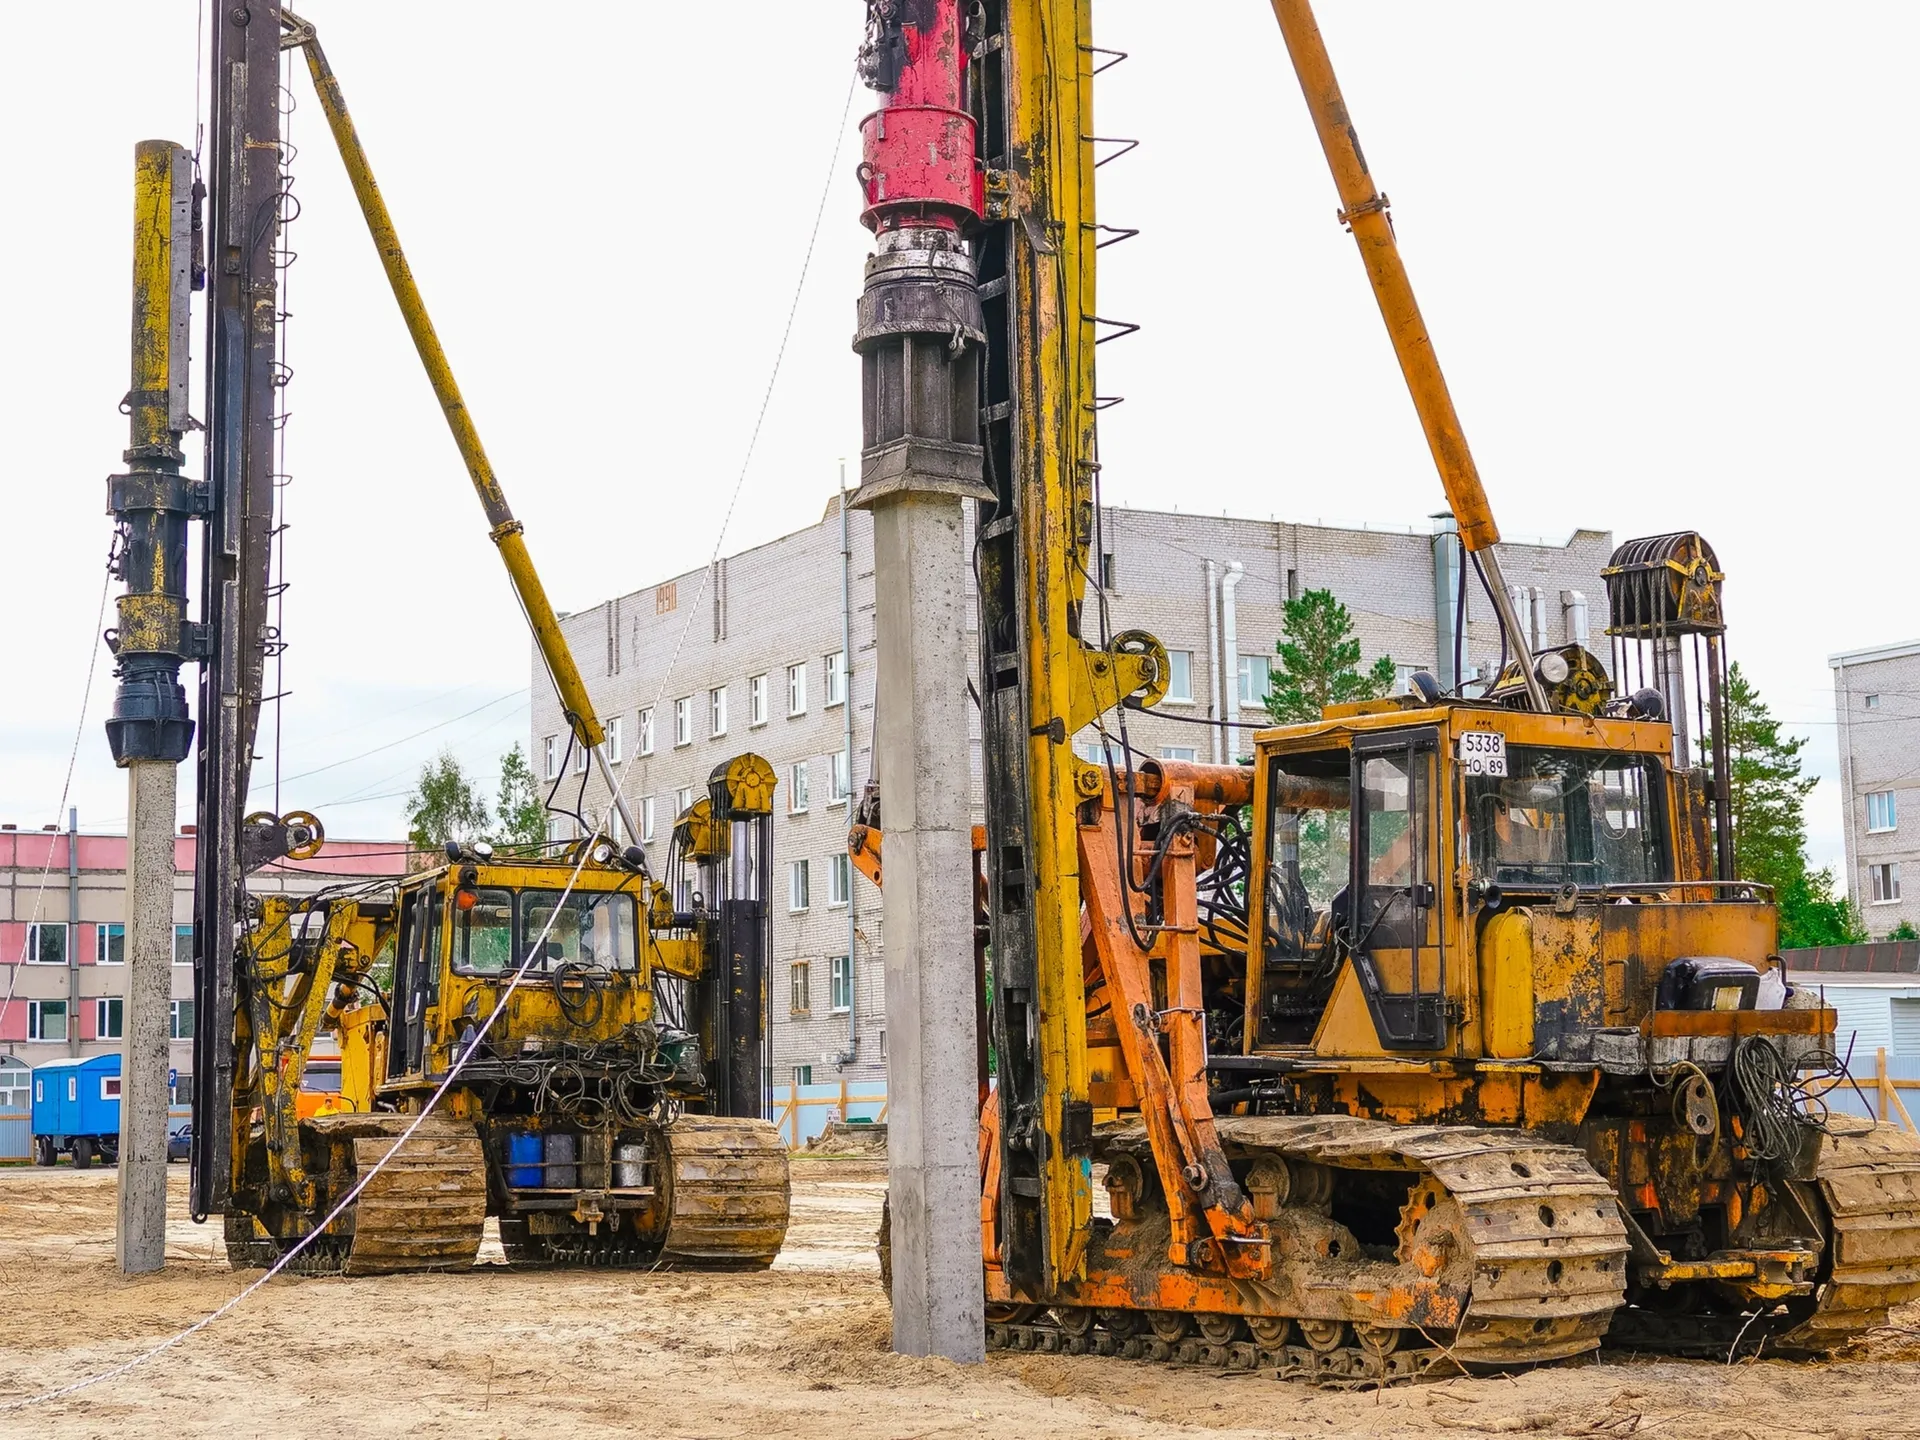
1876	696
745	656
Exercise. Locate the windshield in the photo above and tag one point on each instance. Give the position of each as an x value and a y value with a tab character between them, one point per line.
590	929
1588	817
483	935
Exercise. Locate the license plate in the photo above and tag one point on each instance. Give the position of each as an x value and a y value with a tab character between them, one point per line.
1483	752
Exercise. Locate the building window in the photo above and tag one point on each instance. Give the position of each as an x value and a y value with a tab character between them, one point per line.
717	711
797	887
646	819
15	1083
802	1000
183	944
682	801
797	689
1886	882
109	1016
840	781
836	678
1108	571
180	1019
46	1020
579	756
1881	812
839	879
797	791
1256	673
615	727
840	982
1179	752
646	731
756	700
683	721
1873	701
109	944
1180	676
553	757
47	944
109	1087
1403	678
557	830
803	1074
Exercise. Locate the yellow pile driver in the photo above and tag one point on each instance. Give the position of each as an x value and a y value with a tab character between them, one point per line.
587	1037
1443	1031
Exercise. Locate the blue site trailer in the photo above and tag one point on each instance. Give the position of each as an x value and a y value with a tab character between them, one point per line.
76	1110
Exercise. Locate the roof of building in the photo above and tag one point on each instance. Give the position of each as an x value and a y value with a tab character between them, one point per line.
1579	533
1877	961
80	1062
1874	652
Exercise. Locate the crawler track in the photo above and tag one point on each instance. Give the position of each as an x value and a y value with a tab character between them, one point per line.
1871	1185
424	1210
1344	1366
728	1194
1517	1249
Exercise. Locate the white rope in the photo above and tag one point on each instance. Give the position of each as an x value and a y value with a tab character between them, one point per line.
459	1064
66	788
766	399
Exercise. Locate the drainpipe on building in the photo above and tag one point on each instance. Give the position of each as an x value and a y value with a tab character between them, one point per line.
1855	890
852	1051
1446	598
1230	650
73	930
1213	667
1573	605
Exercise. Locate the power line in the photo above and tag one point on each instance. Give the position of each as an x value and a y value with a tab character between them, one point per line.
336	764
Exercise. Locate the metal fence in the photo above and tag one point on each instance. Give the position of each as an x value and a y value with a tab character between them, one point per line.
801	1113
16	1136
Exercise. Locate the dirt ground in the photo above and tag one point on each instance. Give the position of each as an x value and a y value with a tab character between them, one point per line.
801	1351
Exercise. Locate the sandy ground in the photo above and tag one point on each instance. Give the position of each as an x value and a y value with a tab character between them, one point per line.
801	1351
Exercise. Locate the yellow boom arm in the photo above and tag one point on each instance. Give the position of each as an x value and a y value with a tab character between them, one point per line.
1363	210
505	530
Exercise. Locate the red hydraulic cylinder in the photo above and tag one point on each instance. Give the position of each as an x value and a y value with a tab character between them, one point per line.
920	168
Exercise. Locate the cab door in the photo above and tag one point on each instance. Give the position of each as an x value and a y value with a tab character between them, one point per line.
1397	921
416	980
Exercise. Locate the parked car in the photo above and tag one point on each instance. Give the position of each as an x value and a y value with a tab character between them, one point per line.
180	1142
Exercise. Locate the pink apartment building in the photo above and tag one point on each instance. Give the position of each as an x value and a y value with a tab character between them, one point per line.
62	939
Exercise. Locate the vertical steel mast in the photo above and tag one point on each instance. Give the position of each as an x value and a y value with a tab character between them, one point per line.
242	164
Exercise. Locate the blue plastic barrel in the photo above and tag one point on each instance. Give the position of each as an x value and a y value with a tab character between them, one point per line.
523	1160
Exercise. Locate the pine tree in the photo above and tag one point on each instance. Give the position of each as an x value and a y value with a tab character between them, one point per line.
1767	794
444	805
523	818
1320	661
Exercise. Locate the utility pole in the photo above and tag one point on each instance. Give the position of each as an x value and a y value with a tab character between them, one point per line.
920	336
151	729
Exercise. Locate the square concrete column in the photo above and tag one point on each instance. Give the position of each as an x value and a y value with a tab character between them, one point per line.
141	1232
921	757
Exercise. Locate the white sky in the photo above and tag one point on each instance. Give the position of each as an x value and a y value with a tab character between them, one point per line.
1662	250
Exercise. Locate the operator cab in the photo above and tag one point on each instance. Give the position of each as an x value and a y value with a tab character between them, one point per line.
1366	815
466	928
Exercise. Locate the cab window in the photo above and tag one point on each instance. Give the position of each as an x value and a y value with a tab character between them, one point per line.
1307	855
483	935
1558	816
589	929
